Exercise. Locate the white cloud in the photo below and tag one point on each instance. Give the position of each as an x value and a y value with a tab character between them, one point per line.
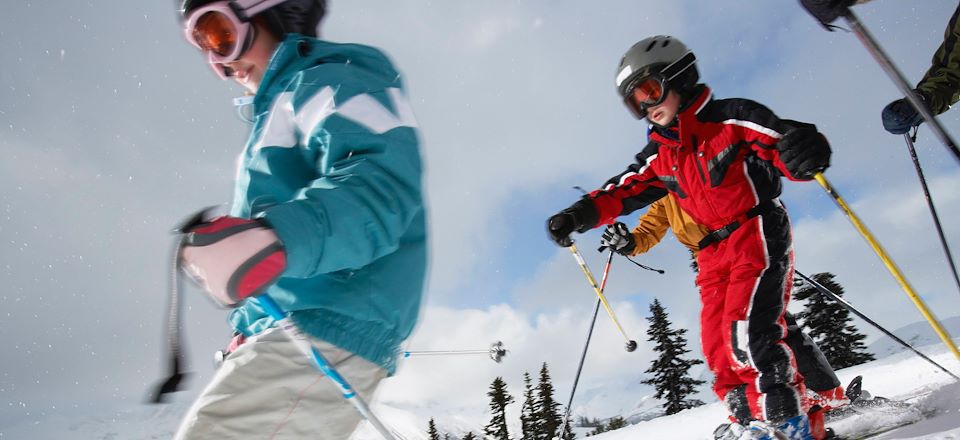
900	221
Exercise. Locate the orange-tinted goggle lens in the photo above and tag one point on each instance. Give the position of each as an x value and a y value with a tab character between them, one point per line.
649	91
216	33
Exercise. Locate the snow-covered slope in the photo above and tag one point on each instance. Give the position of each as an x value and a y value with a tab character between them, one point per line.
901	376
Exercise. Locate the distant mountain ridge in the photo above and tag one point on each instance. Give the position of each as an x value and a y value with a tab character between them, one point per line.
917	334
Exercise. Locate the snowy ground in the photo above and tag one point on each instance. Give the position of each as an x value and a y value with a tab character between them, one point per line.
901	376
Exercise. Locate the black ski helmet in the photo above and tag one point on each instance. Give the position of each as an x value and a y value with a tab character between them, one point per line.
658	55
290	16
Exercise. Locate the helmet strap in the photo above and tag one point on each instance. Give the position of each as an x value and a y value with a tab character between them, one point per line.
679	66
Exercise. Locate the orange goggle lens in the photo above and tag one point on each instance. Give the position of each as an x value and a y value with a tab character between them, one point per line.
649	91
216	33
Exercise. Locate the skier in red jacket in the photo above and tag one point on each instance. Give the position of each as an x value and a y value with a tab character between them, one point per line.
723	160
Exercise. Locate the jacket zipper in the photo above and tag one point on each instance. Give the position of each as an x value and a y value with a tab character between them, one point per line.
696	159
695	150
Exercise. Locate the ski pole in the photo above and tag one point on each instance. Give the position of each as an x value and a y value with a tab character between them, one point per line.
496	352
177	361
300	340
888	262
846	304
933	210
586	345
175	358
631	344
887	64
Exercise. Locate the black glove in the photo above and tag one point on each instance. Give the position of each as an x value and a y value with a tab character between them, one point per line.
900	116
804	151
618	239
826	11
579	217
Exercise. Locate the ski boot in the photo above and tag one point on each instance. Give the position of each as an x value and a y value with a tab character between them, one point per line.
736	431
797	428
756	430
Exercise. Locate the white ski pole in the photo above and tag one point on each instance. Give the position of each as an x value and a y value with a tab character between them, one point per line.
496	352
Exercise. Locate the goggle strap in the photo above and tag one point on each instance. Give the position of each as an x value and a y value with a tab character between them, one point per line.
679	65
249	8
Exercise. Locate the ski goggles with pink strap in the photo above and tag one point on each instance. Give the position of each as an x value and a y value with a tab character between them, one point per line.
224	30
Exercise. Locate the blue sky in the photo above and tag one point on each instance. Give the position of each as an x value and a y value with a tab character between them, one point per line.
113	128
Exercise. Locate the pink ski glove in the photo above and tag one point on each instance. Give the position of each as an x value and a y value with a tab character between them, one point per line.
232	258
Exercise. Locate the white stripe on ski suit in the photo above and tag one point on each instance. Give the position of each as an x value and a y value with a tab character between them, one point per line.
284	124
753	294
755	127
624	177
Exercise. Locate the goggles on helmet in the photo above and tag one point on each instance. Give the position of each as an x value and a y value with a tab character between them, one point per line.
651	89
646	92
223	30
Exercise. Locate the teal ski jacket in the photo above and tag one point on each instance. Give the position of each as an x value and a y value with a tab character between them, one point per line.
333	166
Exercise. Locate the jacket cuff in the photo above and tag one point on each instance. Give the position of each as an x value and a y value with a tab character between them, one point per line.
299	229
585	214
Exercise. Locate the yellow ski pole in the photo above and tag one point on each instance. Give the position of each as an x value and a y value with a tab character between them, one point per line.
891	266
631	344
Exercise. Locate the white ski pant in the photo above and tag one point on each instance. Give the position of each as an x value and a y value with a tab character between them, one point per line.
268	389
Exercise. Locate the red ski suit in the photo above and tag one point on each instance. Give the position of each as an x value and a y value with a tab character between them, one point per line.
721	160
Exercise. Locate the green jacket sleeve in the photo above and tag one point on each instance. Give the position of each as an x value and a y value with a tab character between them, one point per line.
369	186
941	84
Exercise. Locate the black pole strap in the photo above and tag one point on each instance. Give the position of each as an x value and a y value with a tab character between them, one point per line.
176	361
642	266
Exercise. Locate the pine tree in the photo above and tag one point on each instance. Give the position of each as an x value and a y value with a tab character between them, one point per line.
549	416
470	436
432	432
670	370
597	430
499	399
828	323
529	410
616	423
693	262
612	424
589	423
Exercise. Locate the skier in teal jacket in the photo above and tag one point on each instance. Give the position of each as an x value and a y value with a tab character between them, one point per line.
327	219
